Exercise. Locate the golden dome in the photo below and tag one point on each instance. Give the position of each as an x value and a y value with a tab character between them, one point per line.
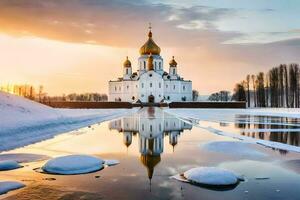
150	62
173	63
150	47
127	63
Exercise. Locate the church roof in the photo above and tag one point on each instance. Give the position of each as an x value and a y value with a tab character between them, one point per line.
150	47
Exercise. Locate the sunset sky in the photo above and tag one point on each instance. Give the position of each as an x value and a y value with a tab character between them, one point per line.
79	45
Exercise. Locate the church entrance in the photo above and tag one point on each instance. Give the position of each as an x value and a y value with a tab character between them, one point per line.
151	98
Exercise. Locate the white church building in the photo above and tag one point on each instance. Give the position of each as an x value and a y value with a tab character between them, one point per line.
151	83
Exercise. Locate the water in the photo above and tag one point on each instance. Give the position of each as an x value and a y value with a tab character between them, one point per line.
151	146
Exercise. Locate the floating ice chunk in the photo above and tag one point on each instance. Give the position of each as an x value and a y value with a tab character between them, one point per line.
73	164
9	165
234	148
111	162
209	176
6	186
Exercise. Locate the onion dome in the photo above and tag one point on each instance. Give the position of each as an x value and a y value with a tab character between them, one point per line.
150	47
172	62
150	63
127	63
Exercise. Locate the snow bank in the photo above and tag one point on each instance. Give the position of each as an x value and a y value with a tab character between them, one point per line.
193	116
6	186
209	176
9	165
32	122
234	148
229	115
73	164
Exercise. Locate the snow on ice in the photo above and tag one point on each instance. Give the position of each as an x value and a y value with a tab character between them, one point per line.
32	122
6	186
73	164
9	165
210	176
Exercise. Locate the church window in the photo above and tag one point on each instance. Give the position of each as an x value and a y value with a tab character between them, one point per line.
183	87
174	71
127	87
144	64
119	88
133	98
159	64
150	75
136	86
159	127
150	128
155	65
159	84
150	84
126	71
142	127
166	86
115	88
168	97
142	85
174	87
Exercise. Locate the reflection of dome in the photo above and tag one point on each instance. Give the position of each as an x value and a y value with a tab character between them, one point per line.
172	62
150	162
127	138
150	47
127	62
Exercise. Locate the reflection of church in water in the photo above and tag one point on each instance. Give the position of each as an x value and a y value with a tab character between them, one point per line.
151	126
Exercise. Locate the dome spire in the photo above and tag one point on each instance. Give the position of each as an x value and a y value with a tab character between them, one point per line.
127	62
150	46
150	32
172	62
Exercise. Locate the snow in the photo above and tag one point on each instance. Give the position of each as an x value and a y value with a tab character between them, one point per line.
32	122
9	165
6	186
193	116
209	176
73	164
234	148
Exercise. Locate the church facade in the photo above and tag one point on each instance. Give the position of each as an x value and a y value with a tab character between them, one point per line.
151	83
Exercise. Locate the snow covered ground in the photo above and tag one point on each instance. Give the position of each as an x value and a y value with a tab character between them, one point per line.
231	115
23	122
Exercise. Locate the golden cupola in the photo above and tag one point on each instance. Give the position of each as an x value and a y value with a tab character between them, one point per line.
172	62
127	62
150	47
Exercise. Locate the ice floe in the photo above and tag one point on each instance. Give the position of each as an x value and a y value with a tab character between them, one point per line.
6	186
9	165
111	162
234	148
73	164
209	176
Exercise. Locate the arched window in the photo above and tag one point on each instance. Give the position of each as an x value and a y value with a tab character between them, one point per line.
174	71
150	84
142	85
174	87
144	64
126	70
159	84
159	64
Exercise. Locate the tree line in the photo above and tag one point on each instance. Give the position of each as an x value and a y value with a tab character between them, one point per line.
39	95
279	87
